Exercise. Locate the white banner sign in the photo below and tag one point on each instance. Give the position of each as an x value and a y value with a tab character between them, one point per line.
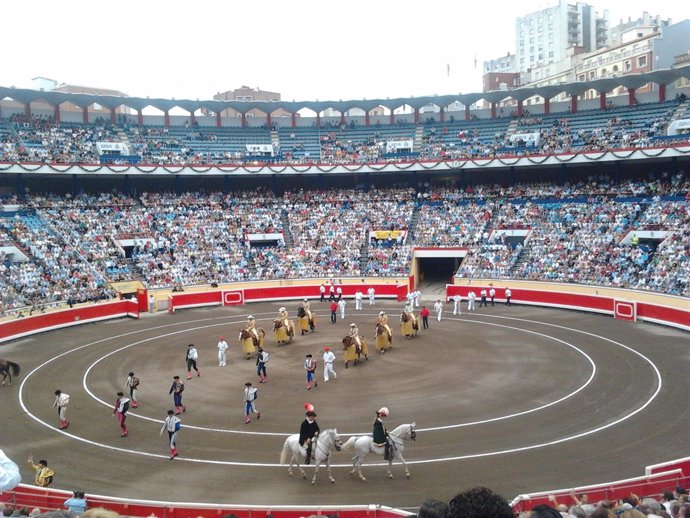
112	148
260	148
678	126
393	146
530	139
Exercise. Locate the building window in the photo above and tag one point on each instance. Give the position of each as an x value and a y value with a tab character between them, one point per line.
641	61
627	65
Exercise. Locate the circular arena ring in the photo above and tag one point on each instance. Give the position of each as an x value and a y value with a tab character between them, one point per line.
516	398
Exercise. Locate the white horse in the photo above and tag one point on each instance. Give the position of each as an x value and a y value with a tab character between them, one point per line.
364	444
326	441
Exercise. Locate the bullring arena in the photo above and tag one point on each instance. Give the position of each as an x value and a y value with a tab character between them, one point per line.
114	264
516	398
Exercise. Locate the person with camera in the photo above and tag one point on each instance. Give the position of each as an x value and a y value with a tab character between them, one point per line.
76	504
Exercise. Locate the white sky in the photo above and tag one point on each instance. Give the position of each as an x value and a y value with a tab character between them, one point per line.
304	49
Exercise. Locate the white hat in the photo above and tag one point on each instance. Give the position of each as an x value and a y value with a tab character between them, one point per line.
382	312
383	411
281	309
306	300
250	317
353	325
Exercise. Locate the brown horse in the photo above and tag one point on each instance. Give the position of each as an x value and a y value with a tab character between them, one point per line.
384	340
250	342
289	330
353	351
245	333
406	319
8	369
307	320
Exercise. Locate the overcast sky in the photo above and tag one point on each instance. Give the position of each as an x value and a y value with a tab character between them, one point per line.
304	49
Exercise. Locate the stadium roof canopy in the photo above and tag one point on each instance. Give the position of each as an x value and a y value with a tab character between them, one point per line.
631	81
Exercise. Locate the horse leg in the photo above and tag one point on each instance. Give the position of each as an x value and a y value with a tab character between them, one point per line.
330	475
301	471
358	461
316	471
359	472
402	459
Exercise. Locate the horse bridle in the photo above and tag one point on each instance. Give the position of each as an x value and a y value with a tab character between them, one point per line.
337	444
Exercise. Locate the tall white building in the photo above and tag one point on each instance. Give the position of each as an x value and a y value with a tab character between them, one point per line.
549	36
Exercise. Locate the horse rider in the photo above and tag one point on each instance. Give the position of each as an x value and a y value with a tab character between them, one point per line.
305	307
308	432
380	434
283	317
382	319
354	335
251	327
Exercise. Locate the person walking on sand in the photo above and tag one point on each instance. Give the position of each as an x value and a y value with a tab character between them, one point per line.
222	352
120	410
61	401
132	384
172	424
310	368
192	357
328	359
250	397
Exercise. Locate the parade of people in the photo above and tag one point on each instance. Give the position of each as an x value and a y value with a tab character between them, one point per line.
251	337
307	319
408	322
384	337
355	346
283	327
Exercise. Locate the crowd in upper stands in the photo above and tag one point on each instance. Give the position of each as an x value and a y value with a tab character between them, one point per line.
42	139
587	232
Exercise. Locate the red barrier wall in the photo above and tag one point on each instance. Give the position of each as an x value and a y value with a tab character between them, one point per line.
268	293
648	485
681	464
665	315
48	499
68	317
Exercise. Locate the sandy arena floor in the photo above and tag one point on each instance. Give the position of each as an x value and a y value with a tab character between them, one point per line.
515	398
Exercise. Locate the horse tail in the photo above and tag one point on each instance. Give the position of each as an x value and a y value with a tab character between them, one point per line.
15	368
349	444
286	450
